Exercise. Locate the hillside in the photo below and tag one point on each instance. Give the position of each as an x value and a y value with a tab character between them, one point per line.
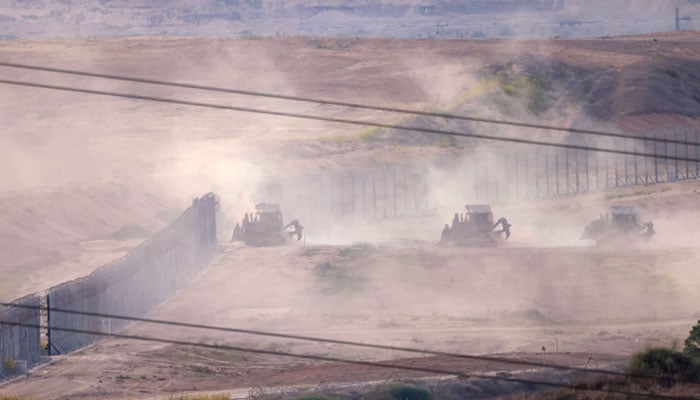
52	235
364	18
73	155
638	84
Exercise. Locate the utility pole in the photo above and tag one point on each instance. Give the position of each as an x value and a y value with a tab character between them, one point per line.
679	19
440	29
48	325
544	353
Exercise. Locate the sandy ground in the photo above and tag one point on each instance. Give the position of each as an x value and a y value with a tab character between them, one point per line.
51	235
596	306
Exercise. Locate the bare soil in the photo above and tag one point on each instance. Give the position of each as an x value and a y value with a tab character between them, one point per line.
587	306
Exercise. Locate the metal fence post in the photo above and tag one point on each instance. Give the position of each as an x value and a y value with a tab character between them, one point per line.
342	197
364	194
617	169
626	160
352	195
656	162
48	325
636	171
425	190
546	171
384	192
687	164
666	158
697	154
646	165
393	182
675	153
405	192
310	196
516	173
414	178
527	174
585	167
537	172
330	195
597	173
374	194
51	349
578	186
556	168
568	184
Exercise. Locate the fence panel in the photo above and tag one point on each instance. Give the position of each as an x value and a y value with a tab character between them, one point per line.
20	344
136	283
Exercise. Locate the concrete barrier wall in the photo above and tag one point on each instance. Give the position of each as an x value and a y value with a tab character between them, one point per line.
136	283
20	344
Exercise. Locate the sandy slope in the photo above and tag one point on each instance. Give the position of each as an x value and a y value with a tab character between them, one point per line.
595	83
53	235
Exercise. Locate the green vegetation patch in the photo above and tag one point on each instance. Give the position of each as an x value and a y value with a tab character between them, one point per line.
692	343
368	135
667	366
409	393
529	89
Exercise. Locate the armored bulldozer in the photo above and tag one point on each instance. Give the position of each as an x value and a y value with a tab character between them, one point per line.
265	227
621	225
475	228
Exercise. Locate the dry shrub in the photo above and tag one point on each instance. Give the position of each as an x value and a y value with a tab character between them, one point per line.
667	366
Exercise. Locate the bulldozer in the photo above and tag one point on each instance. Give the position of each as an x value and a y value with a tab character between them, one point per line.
265	227
475	228
621	225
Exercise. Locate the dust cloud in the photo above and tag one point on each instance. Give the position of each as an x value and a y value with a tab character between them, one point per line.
361	266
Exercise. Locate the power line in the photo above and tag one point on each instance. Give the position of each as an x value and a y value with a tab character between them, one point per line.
344	121
333	341
342	103
345	361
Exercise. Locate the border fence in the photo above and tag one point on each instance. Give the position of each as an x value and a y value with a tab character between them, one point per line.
383	192
20	346
131	285
491	174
